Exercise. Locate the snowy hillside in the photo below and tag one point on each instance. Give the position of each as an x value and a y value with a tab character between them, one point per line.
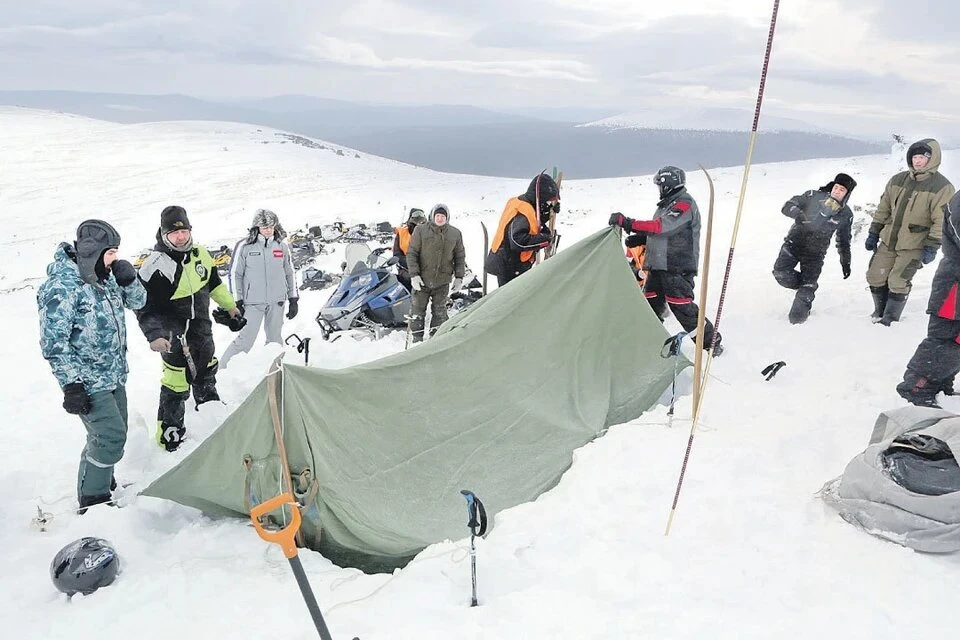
753	553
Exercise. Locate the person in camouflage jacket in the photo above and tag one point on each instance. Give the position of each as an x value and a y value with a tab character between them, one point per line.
906	229
83	336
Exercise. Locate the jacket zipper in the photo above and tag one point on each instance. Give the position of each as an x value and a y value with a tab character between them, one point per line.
116	323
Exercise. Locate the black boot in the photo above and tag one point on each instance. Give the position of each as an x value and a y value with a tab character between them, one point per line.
894	307
879	301
205	393
947	388
918	390
802	303
88	501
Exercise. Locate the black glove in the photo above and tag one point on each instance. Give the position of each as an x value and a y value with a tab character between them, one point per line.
620	220
845	266
873	241
929	255
240	306
76	400
124	272
294	308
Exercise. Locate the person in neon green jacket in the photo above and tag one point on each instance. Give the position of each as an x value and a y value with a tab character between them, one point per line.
180	279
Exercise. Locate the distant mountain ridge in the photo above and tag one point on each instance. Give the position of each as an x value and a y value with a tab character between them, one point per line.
466	139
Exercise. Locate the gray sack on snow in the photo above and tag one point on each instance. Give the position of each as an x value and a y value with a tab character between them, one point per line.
868	496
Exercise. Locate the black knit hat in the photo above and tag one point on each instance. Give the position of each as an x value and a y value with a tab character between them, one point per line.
173	218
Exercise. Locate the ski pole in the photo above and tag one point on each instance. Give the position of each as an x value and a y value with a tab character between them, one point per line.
477	522
700	390
303	346
671	349
285	538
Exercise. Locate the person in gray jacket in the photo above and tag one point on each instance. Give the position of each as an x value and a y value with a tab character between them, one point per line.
673	253
436	257
263	280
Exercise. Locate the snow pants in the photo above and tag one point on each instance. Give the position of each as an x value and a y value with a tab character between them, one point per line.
803	281
894	269
178	378
106	425
270	315
934	364
437	298
666	288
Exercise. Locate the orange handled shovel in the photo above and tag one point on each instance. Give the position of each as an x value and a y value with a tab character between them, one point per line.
285	538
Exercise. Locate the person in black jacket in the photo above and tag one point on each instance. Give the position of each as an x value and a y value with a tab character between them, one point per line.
936	362
523	230
817	214
180	279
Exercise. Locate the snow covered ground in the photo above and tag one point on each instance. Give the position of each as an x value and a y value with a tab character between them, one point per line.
752	553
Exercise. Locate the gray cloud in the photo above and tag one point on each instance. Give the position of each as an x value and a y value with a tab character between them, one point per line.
916	21
497	52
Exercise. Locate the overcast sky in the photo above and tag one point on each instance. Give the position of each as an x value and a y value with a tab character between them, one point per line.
868	65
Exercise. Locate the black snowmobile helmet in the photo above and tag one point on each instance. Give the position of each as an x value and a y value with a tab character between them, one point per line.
84	565
417	216
670	179
94	238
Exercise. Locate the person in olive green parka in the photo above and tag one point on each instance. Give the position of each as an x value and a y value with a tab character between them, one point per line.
906	229
435	257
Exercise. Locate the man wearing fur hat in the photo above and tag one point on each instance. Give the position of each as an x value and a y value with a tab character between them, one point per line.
83	335
435	257
263	281
906	229
180	279
817	214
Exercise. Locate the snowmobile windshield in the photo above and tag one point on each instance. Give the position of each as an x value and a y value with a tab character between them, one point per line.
356	256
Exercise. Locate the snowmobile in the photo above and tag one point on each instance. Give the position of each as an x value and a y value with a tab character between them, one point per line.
315	279
221	259
369	301
304	247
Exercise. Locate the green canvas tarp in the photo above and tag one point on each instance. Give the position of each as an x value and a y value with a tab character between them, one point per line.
495	403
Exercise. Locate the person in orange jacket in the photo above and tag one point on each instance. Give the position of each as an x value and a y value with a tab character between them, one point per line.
523	230
637	255
401	243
